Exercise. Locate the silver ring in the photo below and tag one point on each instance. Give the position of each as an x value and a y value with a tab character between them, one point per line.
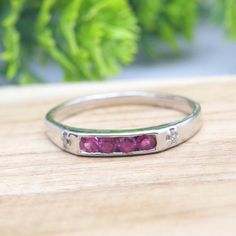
94	142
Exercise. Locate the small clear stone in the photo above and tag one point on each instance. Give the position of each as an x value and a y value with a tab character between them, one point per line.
172	137
65	140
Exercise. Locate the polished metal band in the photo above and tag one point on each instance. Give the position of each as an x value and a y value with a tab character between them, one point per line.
92	142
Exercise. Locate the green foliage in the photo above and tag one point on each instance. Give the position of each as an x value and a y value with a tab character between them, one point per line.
230	18
11	39
89	39
222	12
165	20
92	39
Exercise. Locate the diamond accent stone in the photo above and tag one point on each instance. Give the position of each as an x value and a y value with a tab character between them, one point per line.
65	140
172	137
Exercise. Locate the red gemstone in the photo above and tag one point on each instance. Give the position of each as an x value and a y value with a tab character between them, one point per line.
107	145
146	142
89	144
127	145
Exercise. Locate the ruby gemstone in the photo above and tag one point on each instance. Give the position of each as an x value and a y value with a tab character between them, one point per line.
107	145
89	144
146	142
127	145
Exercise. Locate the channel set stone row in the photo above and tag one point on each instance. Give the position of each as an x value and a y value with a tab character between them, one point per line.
126	145
118	144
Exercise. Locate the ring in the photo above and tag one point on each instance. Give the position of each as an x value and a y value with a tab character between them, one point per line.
98	142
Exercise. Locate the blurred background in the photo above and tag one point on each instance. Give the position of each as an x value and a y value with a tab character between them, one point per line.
88	40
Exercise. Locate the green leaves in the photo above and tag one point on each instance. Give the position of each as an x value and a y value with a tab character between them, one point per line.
165	20
223	12
230	18
93	39
11	39
45	35
88	39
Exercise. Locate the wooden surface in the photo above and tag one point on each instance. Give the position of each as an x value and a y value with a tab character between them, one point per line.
188	190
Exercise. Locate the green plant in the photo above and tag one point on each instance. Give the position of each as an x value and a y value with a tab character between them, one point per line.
165	21
92	39
222	12
89	39
230	17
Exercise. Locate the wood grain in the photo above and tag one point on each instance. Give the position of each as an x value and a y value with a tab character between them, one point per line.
188	190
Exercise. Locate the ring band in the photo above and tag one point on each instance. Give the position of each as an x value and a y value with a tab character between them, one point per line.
94	142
